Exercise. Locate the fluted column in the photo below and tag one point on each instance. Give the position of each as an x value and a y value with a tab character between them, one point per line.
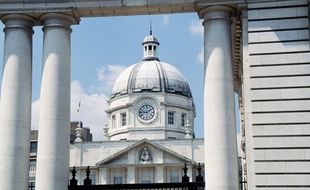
219	110
54	123
15	109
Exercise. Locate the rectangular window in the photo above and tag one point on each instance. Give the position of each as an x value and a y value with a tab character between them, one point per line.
31	185
118	178
146	177
174	176
92	176
33	146
32	165
123	116
183	119
170	118
113	122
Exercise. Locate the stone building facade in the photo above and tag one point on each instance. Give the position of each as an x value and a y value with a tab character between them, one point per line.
150	133
257	48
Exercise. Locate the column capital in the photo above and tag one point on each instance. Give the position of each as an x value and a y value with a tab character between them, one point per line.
18	21
57	19
215	12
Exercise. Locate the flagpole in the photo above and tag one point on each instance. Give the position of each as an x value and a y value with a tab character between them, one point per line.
79	127
80	113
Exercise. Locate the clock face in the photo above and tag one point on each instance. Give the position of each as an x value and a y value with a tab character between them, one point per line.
146	112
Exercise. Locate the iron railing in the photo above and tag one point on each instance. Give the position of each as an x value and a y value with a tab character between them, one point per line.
143	186
184	185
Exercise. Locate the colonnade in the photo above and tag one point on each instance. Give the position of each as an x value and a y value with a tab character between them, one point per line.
53	147
15	109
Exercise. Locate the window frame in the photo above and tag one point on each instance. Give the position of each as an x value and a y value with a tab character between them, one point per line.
183	119
114	173
33	149
171	118
93	177
171	177
123	119
113	121
144	172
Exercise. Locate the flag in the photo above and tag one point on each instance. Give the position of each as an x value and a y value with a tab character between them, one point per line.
79	106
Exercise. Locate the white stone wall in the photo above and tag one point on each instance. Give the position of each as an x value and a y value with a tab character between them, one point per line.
90	154
158	128
276	64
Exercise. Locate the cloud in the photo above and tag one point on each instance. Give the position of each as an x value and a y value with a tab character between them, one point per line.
93	104
100	73
165	20
196	28
107	75
92	110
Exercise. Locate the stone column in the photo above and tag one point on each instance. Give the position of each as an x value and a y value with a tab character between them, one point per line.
54	122
219	110
15	109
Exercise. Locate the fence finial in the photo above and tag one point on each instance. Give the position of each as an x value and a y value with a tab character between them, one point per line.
199	177
185	178
87	180
73	181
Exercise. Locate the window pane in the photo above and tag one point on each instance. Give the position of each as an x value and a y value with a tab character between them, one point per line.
33	146
146	177
118	178
31	186
171	118
123	119
113	122
183	119
32	165
92	176
174	176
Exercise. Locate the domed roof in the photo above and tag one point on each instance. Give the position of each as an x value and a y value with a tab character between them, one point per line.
151	75
150	39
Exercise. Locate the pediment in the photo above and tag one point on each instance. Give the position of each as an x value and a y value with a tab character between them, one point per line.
144	152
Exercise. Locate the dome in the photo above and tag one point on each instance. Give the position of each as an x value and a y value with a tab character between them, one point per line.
151	75
150	39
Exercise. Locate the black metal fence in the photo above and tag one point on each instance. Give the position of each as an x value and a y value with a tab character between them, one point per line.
144	186
185	185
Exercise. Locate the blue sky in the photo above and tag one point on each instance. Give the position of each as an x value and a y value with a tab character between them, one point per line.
103	47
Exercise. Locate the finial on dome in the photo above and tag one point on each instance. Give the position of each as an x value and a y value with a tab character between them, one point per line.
150	27
150	45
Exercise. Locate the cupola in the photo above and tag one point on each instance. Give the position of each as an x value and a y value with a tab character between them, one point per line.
150	47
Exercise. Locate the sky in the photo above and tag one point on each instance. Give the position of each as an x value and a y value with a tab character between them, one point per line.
101	48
